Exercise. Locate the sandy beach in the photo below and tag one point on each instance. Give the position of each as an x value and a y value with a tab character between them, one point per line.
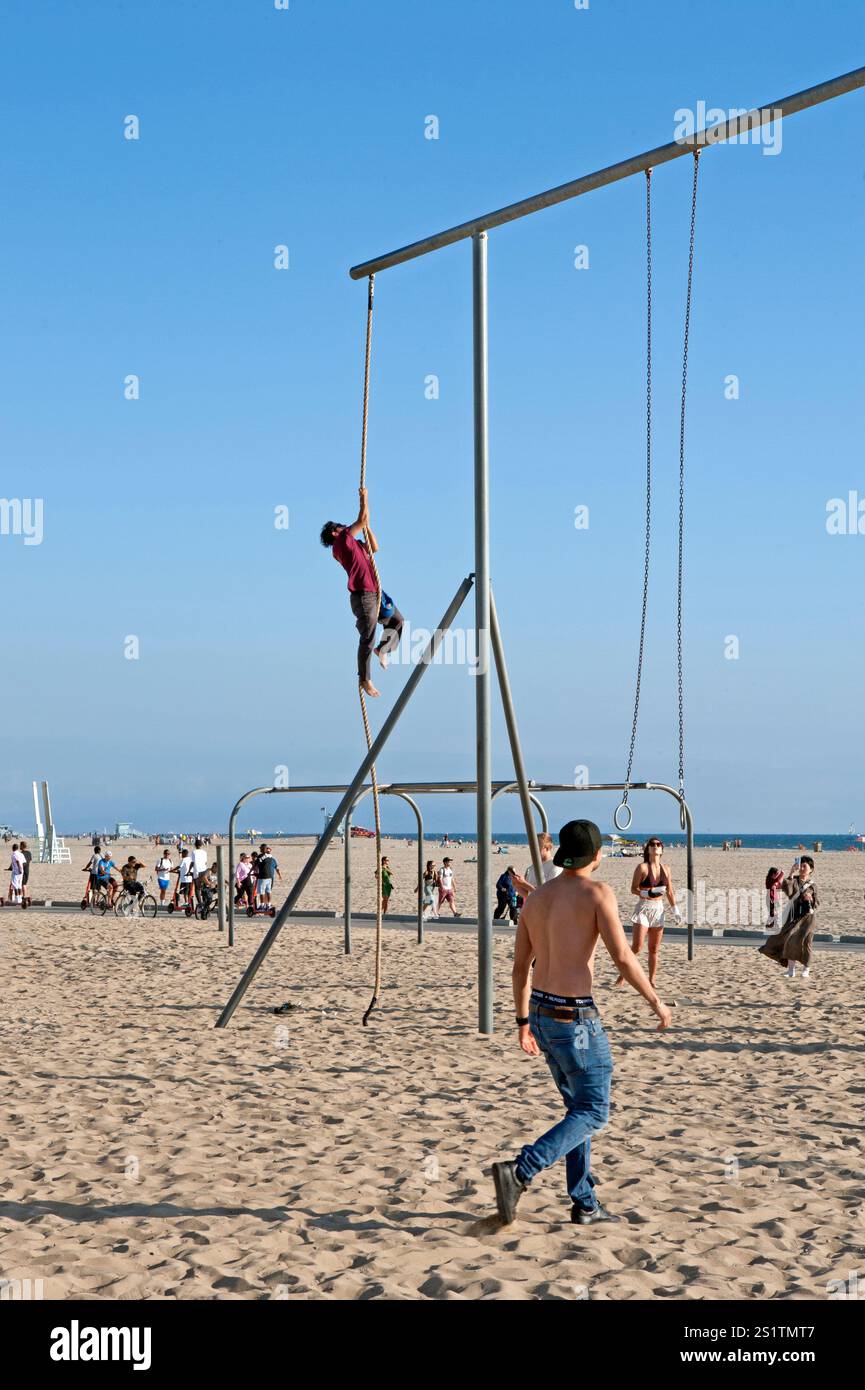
147	1155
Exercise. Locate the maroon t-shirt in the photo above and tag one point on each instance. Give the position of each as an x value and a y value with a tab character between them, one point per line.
355	560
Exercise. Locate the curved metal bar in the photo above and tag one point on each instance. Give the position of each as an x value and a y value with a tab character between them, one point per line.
684	813
515	786
426	788
397	789
384	791
232	823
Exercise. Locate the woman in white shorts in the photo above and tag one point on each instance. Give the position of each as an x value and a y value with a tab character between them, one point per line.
651	884
427	890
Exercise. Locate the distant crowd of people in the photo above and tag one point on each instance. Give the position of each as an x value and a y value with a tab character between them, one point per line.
254	878
196	877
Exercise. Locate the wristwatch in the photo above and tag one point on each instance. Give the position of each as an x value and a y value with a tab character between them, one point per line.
522	1022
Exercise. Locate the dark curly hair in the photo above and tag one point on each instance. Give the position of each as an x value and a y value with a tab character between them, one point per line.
328	532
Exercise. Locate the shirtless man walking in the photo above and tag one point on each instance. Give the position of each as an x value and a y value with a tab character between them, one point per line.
556	1015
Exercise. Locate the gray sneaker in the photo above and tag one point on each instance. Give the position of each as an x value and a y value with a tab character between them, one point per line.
509	1189
587	1216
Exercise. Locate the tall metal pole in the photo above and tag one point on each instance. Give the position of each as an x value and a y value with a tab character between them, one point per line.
482	629
689	916
220	885
420	869
516	746
347	802
346	896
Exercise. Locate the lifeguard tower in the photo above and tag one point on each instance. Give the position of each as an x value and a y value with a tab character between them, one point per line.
50	849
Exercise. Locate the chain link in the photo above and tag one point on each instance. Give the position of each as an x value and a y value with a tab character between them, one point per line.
646	567
679	593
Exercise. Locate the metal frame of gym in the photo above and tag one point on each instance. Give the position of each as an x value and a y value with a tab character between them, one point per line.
485	618
407	791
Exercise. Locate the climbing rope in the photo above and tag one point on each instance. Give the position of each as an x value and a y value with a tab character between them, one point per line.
376	990
623	815
682	494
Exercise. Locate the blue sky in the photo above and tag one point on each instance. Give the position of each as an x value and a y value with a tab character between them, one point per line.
305	127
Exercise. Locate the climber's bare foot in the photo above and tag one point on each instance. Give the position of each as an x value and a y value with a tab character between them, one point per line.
382	656
369	689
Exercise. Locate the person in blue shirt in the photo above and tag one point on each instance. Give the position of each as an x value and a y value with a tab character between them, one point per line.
104	879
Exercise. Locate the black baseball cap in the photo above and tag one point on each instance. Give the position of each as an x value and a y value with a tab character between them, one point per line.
579	842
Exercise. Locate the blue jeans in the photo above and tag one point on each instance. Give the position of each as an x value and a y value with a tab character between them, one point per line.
578	1055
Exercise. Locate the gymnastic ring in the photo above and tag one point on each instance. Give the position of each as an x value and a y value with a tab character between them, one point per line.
617	823
683	820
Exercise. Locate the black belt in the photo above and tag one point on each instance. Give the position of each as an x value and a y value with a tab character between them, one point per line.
565	1015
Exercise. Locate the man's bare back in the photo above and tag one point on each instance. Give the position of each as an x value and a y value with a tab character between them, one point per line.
562	924
559	929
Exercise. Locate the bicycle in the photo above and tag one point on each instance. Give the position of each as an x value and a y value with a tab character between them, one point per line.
128	904
98	902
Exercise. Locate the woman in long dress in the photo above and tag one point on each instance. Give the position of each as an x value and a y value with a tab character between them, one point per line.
794	941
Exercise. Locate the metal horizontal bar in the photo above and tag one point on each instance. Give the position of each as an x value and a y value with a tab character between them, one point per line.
457	788
701	139
410	787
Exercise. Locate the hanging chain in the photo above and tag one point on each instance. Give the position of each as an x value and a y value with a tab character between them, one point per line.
648	484
682	485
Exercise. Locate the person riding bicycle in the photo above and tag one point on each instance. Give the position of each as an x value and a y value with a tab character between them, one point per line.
199	866
104	865
129	874
205	886
92	876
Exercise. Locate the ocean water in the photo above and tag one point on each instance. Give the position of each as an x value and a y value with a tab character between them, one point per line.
766	840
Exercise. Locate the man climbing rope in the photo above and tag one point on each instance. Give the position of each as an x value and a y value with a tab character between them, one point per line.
356	559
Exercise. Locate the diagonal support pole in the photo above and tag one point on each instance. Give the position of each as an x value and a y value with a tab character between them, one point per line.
347	801
514	737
